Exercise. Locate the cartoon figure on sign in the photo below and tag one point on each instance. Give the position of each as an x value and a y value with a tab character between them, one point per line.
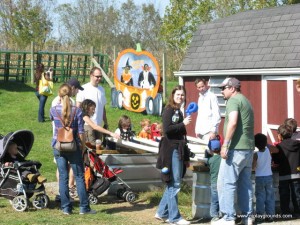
146	78
126	77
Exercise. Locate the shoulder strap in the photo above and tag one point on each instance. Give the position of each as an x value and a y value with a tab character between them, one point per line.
62	123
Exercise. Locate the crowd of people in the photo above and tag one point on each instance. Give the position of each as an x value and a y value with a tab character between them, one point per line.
231	155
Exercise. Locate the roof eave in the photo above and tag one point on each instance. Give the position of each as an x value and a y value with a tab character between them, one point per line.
235	72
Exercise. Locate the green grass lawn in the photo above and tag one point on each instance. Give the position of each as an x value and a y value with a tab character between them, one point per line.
18	110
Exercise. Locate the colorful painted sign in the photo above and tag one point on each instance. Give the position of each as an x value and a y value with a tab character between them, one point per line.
137	79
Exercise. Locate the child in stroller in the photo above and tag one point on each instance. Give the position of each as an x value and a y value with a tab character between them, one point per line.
18	177
12	156
98	177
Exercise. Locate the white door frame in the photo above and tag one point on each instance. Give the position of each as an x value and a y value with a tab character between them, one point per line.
266	128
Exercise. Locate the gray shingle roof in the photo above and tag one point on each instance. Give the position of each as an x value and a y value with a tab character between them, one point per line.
257	39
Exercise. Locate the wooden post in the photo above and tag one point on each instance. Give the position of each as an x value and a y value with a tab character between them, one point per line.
92	56
32	62
164	83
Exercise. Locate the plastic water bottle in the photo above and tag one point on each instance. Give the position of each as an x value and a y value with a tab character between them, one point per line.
98	144
165	170
175	117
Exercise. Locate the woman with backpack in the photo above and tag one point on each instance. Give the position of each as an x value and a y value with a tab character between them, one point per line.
69	117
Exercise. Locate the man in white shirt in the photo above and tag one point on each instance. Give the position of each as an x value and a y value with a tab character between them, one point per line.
96	93
208	118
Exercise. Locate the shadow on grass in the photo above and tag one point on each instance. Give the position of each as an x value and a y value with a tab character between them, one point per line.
15	86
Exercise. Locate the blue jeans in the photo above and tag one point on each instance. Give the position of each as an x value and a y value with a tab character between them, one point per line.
41	113
264	193
235	178
289	189
168	206
214	200
76	162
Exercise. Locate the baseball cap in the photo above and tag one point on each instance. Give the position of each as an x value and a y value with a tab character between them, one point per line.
74	82
214	145
231	82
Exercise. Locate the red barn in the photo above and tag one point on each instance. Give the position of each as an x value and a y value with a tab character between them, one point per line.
261	48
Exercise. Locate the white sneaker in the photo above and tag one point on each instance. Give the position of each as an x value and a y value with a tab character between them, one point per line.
223	222
181	222
156	216
248	221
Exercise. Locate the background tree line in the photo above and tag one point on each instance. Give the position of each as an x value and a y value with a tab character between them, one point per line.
110	26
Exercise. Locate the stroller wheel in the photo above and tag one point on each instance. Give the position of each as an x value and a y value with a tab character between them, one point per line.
40	201
125	194
120	193
93	199
130	197
20	203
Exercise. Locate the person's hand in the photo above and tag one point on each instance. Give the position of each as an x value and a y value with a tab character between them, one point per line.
212	135
187	120
115	135
224	151
8	164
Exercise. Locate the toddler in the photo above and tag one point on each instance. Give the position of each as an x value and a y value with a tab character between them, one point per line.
124	128
213	163
156	130
146	131
12	156
264	189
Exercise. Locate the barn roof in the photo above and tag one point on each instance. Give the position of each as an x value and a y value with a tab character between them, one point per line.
256	39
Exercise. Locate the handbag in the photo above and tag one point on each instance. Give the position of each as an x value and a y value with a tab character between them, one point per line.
45	86
65	139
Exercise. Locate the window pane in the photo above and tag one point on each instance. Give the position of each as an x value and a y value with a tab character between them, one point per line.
214	82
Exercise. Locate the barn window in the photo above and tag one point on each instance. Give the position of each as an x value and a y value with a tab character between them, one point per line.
214	82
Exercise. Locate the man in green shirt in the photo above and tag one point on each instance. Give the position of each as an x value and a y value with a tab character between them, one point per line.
237	153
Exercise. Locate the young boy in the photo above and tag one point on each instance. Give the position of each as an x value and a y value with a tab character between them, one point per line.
213	163
264	189
289	177
293	124
146	131
12	156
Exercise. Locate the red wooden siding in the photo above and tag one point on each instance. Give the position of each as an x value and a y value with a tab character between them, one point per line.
277	101
251	88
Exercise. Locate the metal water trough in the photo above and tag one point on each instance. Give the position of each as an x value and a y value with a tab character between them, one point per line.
139	171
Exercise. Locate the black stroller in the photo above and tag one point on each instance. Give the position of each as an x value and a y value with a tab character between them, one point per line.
12	186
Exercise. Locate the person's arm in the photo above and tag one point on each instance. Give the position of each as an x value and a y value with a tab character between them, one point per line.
273	149
94	126
216	116
231	126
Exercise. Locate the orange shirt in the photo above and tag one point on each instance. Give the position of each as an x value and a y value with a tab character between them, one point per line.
144	134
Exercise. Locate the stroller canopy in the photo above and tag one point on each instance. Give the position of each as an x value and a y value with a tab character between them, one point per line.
23	138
